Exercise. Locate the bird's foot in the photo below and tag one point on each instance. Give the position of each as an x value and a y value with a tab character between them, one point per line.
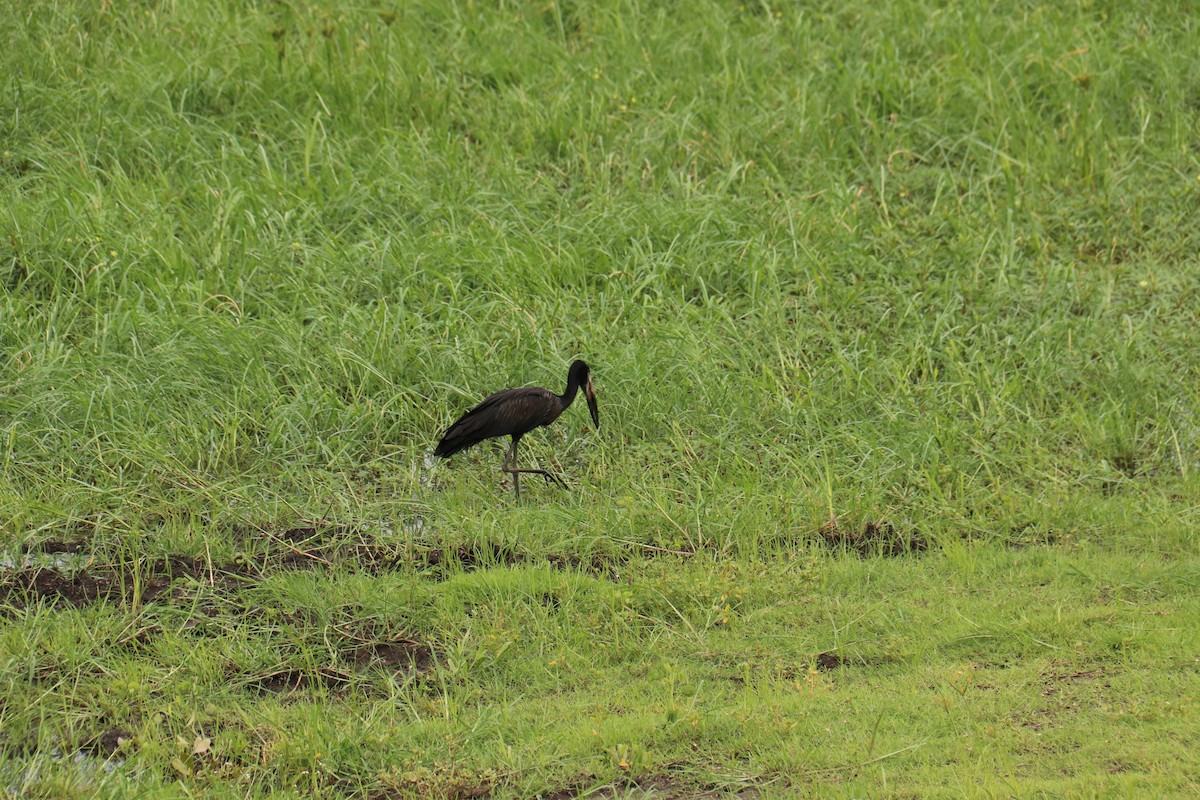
552	478
546	475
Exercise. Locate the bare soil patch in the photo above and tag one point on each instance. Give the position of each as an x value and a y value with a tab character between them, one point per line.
875	539
73	588
407	656
657	787
105	744
293	680
829	661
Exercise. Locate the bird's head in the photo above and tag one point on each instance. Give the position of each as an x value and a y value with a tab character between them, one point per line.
582	375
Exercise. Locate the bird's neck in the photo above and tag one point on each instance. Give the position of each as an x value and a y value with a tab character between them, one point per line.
568	396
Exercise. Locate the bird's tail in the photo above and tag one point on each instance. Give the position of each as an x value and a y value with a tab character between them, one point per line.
456	439
447	448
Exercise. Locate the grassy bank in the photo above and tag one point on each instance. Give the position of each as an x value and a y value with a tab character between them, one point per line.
890	310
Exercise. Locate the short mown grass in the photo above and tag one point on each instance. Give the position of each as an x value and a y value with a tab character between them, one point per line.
891	309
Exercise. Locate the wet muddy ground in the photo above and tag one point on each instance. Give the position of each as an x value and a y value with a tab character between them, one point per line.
64	573
67	573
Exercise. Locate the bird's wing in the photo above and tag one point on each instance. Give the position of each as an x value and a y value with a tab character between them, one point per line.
516	404
502	414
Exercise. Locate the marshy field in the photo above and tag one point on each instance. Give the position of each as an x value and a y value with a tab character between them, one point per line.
891	310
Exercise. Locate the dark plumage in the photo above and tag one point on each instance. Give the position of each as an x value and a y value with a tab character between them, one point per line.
515	412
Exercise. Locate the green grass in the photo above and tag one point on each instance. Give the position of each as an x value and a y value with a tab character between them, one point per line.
891	310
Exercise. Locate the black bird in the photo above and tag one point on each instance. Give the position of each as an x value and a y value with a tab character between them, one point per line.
515	412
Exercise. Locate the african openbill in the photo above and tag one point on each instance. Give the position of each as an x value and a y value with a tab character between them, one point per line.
515	412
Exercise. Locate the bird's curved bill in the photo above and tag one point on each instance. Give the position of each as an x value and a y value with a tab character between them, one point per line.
589	391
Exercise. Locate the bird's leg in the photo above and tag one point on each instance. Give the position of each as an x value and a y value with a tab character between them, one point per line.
510	466
510	458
